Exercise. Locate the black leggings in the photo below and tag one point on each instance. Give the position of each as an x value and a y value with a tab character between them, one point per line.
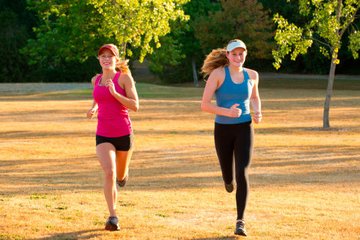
235	141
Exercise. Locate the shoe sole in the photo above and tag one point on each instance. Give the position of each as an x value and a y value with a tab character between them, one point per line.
240	233
111	227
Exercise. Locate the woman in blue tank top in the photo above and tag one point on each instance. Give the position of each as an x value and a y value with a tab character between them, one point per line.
235	89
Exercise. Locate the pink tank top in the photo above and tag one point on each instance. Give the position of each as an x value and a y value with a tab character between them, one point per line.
113	117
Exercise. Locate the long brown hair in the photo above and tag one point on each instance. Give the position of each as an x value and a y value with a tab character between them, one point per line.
216	58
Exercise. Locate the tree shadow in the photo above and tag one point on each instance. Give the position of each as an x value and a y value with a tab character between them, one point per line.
178	167
217	238
181	169
85	234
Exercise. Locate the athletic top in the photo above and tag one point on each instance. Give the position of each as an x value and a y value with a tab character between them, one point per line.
230	93
113	117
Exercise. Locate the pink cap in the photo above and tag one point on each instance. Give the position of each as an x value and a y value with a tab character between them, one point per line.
110	47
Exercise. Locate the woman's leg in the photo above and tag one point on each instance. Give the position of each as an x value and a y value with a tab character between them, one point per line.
107	158
241	192
122	163
243	152
224	144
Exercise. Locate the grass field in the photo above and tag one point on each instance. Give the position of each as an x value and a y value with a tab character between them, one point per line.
305	181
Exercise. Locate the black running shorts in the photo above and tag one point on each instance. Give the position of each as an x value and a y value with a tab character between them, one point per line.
123	143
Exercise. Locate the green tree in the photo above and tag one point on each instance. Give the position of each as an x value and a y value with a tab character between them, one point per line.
177	60
15	25
13	35
244	19
327	23
72	30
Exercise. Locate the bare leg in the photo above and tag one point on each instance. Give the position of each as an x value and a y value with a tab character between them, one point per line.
107	157
122	163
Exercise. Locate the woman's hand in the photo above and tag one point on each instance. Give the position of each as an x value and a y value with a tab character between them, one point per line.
110	85
257	117
235	111
91	112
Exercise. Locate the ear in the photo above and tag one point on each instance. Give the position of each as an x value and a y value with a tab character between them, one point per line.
227	54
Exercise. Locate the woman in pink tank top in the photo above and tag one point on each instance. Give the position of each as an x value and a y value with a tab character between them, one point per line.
114	93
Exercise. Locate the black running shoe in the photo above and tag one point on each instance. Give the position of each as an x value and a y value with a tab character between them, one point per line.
122	183
112	224
240	228
229	187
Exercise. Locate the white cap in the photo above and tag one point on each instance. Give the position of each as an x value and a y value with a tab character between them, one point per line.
235	44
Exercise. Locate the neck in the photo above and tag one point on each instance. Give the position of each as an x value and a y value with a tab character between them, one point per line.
236	68
109	73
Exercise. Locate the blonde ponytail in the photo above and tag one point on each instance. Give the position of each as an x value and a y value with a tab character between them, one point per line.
122	65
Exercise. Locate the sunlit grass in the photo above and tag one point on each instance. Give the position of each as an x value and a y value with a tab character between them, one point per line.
304	180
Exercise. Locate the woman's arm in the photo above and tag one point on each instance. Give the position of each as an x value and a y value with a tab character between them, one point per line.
131	101
255	97
214	81
94	107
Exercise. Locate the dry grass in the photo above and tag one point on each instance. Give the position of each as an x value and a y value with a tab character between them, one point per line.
305	182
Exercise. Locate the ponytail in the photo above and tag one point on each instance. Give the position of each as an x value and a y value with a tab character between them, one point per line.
216	58
122	65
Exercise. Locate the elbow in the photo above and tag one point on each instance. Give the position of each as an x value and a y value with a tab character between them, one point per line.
136	108
203	107
254	99
134	105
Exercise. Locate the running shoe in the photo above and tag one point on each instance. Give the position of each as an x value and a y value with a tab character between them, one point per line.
240	228
112	224
229	187
122	183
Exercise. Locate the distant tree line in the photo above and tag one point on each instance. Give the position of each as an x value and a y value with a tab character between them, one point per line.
56	41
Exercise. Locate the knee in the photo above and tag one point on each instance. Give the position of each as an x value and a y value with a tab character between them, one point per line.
242	175
110	174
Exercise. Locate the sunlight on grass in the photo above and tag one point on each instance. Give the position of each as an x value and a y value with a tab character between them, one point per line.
302	177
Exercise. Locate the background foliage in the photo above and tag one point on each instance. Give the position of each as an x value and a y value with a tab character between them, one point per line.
56	41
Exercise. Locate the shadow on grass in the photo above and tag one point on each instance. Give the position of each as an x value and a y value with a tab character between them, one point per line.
182	169
18	134
163	167
85	234
217	238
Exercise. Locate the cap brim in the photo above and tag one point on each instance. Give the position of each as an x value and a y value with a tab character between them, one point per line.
233	45
113	51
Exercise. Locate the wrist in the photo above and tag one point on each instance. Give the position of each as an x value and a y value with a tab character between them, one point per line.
228	112
115	94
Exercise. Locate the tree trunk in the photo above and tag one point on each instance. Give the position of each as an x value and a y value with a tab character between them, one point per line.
329	92
195	76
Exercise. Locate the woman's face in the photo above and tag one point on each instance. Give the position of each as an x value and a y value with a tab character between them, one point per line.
236	57
107	59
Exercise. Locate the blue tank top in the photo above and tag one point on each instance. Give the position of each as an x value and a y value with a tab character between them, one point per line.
230	93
